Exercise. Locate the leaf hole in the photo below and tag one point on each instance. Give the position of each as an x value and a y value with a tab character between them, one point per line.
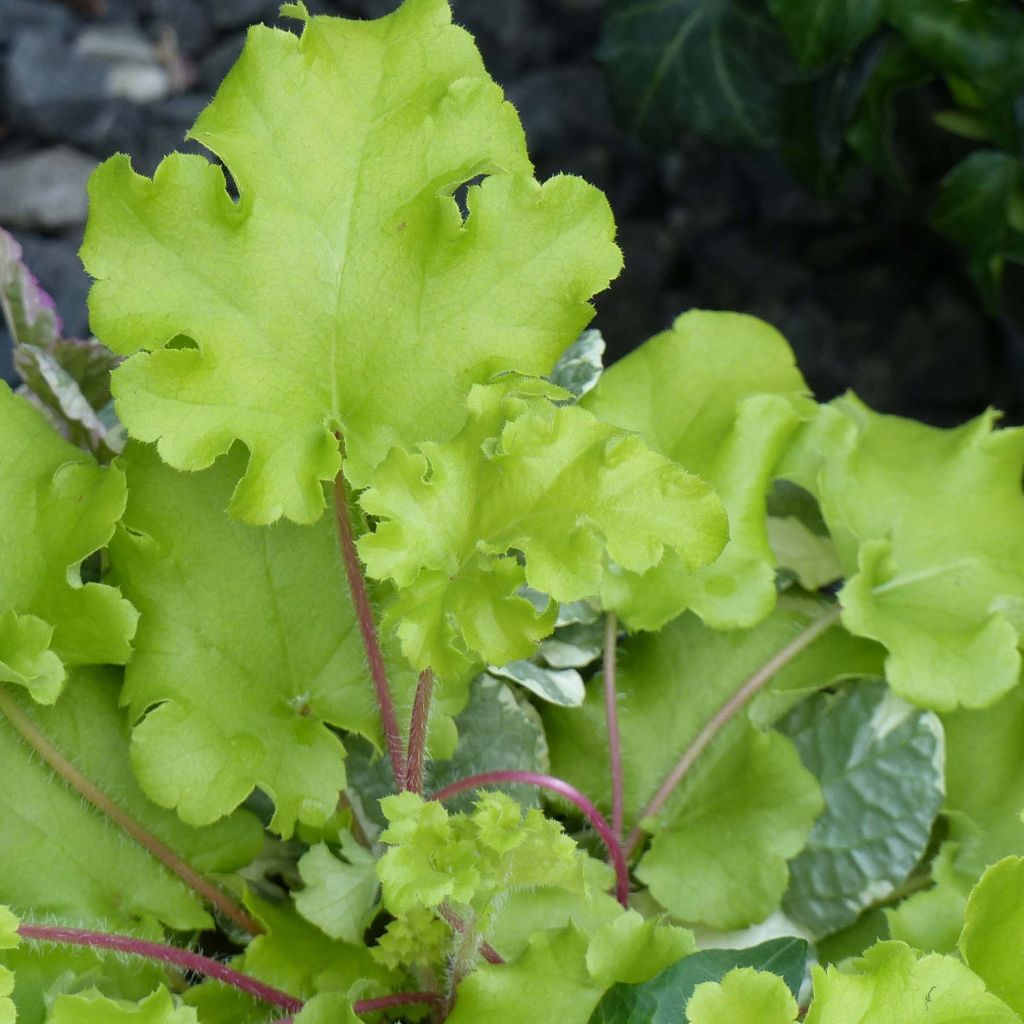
461	195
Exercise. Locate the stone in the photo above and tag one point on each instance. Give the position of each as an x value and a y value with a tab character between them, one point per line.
190	22
45	190
232	14
219	59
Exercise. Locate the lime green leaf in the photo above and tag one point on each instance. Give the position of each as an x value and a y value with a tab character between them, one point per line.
688	65
932	920
59	507
671	685
8	1011
26	658
8	928
330	1008
417	938
294	956
721	859
237	669
893	984
550	981
524	474
93	1008
880	763
562	974
472	859
347	146
340	896
820	31
929	527
743	996
44	971
51	842
666	995
992	942
721	395
631	950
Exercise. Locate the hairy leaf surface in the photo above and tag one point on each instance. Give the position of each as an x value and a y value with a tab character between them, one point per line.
743	996
93	1008
346	249
60	856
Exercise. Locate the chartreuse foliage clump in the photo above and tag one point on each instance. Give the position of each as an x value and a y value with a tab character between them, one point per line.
379	643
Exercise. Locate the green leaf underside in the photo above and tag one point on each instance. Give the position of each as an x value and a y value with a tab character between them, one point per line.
59	507
715	68
720	394
880	763
929	530
248	648
59	856
665	996
893	984
347	248
748	784
528	475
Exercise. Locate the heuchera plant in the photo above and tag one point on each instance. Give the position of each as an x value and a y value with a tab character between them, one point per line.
402	665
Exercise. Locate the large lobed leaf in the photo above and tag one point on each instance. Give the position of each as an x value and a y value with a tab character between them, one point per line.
346	249
525	474
58	507
929	528
247	650
720	394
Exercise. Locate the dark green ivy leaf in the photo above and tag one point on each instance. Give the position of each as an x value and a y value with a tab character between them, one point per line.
663	999
711	66
976	208
820	31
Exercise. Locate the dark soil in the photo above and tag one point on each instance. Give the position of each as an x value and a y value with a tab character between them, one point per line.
867	295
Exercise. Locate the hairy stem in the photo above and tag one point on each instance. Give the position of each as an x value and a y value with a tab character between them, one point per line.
367	628
571	793
611	717
489	953
418	732
40	743
165	954
724	714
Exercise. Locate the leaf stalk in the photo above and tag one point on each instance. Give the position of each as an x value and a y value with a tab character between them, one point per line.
414	764
164	954
725	713
611	715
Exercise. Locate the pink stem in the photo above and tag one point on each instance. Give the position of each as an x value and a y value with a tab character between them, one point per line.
571	793
418	732
611	715
734	704
397	999
367	628
166	954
